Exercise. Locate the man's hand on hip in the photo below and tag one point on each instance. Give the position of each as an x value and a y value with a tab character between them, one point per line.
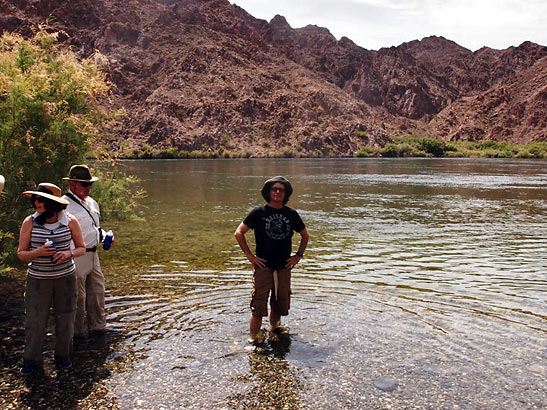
292	261
256	261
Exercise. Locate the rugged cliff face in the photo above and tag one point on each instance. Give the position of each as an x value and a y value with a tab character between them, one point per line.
204	74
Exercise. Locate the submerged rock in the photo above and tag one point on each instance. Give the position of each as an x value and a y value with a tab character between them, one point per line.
385	384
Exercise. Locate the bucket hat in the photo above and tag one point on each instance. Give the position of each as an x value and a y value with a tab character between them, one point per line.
268	186
80	173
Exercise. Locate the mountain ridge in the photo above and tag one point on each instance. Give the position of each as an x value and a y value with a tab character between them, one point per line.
206	75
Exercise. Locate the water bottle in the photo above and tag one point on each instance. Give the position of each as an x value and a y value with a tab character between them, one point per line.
108	240
49	242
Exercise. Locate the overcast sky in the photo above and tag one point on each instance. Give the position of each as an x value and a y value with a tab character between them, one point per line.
373	24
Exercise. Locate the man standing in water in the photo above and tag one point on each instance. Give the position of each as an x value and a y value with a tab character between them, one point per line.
274	225
89	275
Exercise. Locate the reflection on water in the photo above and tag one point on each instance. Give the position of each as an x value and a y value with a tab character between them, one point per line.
428	272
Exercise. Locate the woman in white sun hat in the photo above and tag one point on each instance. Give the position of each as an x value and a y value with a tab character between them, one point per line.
44	242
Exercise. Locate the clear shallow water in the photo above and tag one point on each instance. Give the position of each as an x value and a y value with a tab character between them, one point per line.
431	273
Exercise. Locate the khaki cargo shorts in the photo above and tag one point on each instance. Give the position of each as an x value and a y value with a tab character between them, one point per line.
263	287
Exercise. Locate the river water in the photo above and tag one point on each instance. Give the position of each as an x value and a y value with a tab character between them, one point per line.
423	286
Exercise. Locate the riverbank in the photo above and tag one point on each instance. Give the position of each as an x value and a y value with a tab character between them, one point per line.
415	146
398	147
81	386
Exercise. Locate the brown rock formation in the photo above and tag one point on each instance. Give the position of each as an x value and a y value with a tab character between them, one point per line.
204	74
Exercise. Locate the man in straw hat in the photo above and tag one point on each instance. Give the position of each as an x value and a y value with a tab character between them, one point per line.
89	275
273	225
45	243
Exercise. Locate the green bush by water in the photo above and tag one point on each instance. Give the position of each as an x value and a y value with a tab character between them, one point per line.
48	122
416	146
399	147
148	152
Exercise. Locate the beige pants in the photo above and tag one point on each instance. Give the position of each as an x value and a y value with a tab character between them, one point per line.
90	282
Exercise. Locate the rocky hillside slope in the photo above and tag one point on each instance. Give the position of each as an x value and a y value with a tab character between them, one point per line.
206	75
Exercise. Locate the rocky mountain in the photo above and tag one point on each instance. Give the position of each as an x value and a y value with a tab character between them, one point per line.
206	75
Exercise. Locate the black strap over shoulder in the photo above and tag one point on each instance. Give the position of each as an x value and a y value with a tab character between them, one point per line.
82	205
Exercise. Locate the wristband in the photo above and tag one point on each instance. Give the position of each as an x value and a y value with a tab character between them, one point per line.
299	254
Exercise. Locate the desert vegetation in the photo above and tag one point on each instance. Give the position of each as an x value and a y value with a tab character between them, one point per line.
416	146
50	120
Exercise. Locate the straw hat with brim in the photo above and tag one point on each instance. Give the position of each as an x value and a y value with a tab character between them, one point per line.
49	191
80	173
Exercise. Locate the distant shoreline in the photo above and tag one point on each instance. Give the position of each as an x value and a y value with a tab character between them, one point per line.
399	147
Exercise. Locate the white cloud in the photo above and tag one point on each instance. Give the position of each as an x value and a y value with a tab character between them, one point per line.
383	23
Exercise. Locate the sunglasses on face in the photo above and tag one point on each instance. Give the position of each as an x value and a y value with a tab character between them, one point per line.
276	189
40	199
86	184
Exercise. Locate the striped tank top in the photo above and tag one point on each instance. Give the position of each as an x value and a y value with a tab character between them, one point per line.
42	267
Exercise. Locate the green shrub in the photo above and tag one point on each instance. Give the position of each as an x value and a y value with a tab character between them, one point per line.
416	146
406	150
115	192
390	150
181	113
6	249
523	153
48	122
167	153
537	149
287	152
488	144
435	147
365	152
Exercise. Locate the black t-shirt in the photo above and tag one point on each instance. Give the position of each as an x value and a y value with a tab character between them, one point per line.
273	233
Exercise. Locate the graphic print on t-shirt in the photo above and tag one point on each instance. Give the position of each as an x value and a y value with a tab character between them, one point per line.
278	226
